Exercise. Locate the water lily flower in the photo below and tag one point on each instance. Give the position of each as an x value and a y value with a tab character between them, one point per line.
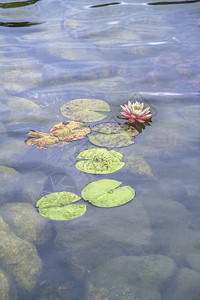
134	112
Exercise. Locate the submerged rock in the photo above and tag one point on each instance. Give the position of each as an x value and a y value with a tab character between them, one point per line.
11	150
103	233
7	288
29	112
19	258
8	179
24	220
130	277
18	76
186	285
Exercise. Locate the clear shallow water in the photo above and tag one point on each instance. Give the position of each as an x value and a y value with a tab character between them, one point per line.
52	52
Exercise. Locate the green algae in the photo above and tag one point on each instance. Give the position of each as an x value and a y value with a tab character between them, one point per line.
99	161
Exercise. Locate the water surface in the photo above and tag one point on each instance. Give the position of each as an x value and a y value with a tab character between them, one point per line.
56	51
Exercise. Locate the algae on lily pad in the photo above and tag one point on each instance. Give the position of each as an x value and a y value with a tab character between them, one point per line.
100	161
113	134
69	132
114	127
56	206
41	139
84	110
107	193
111	140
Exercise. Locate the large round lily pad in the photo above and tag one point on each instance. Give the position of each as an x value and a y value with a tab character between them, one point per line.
100	161
114	127
111	140
107	193
56	206
113	134
84	110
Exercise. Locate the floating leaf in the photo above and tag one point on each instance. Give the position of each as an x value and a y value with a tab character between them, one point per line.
114	134
111	140
85	110
107	193
56	206
60	132
69	132
100	161
113	127
41	139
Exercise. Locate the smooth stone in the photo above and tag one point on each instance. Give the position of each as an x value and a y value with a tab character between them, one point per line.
7	287
186	285
24	220
8	180
102	234
19	258
130	277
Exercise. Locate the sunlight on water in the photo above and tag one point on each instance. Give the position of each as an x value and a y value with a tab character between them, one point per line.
52	52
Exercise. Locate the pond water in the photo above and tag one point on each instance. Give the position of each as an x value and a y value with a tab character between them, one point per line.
56	51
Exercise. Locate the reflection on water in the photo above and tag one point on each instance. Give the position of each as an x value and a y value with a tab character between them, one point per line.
114	51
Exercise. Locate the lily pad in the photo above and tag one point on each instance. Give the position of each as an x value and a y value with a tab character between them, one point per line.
107	193
99	161
41	139
69	132
56	206
84	110
113	134
111	140
113	127
60	132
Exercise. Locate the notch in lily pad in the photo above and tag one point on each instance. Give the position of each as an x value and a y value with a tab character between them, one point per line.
58	206
107	193
85	110
99	161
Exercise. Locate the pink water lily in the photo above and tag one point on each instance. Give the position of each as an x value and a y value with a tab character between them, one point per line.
134	112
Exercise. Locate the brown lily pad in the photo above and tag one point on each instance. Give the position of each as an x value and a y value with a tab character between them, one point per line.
69	132
41	139
85	110
60	132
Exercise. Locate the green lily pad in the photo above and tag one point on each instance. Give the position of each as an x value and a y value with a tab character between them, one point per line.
113	127
84	110
56	206
69	132
113	134
41	139
107	193
111	140
99	161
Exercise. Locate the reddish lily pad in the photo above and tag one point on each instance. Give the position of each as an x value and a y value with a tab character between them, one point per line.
69	132
85	110
41	139
58	133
